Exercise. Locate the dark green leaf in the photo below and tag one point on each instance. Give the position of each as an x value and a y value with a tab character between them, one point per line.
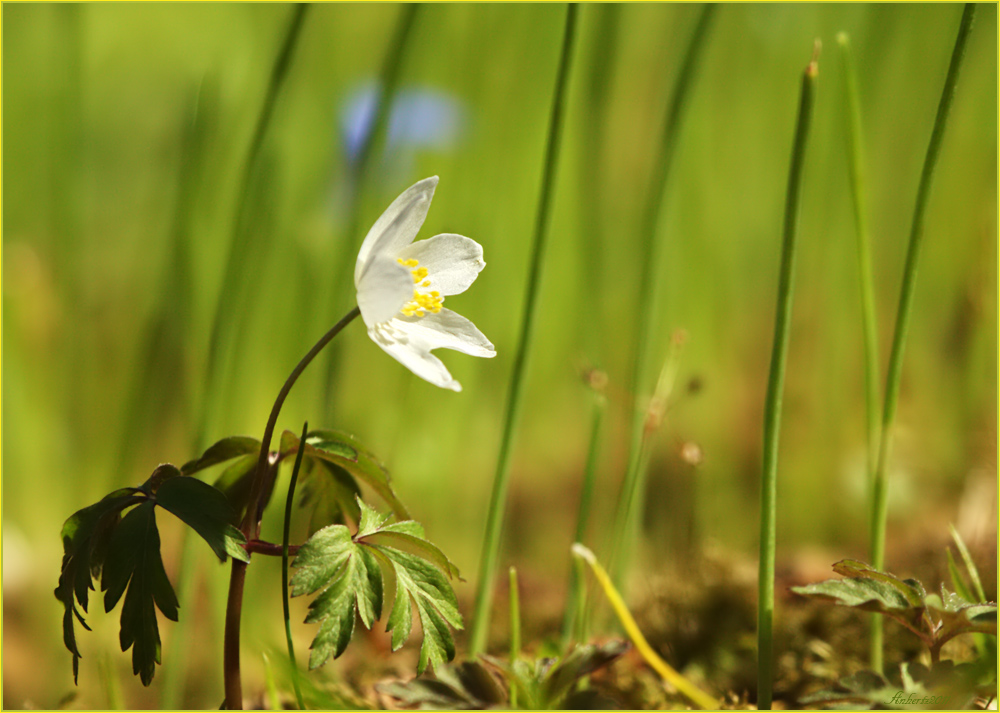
85	536
331	492
226	449
134	559
234	482
581	661
346	452
205	510
163	472
465	686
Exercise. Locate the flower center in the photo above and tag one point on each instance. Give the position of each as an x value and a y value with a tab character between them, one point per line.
422	302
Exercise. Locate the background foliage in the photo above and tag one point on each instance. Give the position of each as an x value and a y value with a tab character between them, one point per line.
125	134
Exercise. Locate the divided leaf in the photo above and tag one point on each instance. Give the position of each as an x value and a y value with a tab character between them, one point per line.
349	572
935	618
465	686
85	535
346	453
123	552
331	492
133	560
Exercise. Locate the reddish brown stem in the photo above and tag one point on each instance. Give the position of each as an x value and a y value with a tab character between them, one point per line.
234	605
268	548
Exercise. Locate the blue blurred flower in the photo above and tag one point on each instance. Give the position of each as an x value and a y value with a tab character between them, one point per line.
418	118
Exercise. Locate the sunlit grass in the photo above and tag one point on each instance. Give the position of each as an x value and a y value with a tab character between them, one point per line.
127	133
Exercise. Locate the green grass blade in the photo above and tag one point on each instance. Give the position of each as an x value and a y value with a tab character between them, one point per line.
515	629
625	522
226	322
284	566
859	197
498	497
574	622
880	503
775	387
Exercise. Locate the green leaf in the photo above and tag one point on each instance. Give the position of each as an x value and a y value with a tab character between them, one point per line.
221	451
331	492
205	510
349	570
134	560
331	559
580	662
234	482
86	535
163	473
408	536
465	686
935	618
345	451
912	590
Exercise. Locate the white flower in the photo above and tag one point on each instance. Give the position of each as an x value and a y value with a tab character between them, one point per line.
402	286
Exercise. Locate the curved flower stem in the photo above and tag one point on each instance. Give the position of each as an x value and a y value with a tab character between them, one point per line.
284	565
498	497
626	509
775	387
880	486
251	523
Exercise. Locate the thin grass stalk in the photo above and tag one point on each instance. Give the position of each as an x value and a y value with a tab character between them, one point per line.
226	319
574	616
868	317
592	174
775	387
625	522
358	173
515	628
880	504
869	321
284	565
498	496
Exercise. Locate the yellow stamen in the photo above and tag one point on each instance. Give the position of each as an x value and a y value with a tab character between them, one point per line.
421	302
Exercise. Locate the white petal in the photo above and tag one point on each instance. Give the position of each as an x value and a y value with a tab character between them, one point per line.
420	361
397	226
444	330
383	289
453	261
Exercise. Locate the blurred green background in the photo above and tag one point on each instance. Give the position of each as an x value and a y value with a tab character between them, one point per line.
126	130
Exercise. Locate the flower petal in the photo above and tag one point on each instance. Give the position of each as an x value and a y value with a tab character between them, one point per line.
444	330
384	288
415	358
453	261
397	226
